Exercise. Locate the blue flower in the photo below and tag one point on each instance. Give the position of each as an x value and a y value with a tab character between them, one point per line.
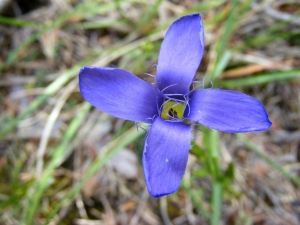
170	105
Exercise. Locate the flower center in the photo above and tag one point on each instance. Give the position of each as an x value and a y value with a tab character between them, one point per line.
172	110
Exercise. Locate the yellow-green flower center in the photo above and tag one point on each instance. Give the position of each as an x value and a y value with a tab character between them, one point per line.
172	110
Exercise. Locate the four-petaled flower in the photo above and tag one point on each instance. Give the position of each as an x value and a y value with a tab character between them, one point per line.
170	105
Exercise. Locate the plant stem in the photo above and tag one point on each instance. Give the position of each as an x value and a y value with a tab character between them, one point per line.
211	138
216	202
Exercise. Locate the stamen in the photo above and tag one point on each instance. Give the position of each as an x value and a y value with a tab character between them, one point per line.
211	83
168	87
151	75
139	126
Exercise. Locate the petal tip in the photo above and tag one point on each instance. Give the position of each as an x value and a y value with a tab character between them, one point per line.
84	69
157	191
228	111
165	156
104	88
180	54
159	194
268	124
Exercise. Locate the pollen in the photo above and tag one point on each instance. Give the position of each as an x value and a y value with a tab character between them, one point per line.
172	110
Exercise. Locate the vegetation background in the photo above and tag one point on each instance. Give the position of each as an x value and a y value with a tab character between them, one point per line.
64	162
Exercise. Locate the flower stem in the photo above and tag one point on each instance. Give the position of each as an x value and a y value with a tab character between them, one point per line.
211	139
216	202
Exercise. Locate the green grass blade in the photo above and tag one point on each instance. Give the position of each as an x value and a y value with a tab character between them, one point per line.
35	194
221	64
259	79
229	27
18	22
67	76
106	153
49	91
82	8
149	14
267	159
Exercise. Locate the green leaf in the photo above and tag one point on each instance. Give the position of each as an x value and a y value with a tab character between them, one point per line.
229	172
258	79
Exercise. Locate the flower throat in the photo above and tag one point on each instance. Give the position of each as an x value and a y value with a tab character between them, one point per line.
172	110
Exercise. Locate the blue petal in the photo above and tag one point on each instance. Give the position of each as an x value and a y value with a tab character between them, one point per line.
227	111
119	93
180	55
165	156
